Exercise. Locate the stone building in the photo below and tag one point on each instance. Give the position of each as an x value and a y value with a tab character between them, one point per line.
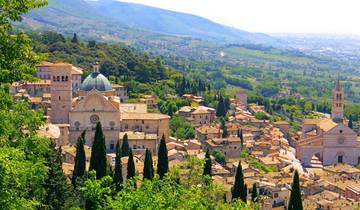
44	72
97	101
199	115
329	140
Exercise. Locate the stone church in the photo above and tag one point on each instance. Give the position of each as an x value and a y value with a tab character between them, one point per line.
96	100
330	141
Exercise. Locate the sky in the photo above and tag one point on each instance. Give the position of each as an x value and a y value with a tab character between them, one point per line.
273	16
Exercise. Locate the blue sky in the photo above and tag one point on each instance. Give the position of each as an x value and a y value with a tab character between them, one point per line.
273	16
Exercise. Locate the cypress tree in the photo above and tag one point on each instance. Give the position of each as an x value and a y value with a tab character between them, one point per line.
225	132
118	177
148	166
98	153
163	161
207	165
80	159
55	185
350	125
241	138
244	194
75	39
254	193
220	109
239	186
295	202
125	146
130	166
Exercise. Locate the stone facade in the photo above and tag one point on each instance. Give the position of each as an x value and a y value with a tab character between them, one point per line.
97	101
198	116
329	140
61	93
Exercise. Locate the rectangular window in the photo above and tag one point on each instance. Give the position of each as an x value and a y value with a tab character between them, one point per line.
340	159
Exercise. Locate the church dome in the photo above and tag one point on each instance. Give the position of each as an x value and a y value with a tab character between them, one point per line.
96	81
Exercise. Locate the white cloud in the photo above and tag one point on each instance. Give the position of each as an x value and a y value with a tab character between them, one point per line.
273	16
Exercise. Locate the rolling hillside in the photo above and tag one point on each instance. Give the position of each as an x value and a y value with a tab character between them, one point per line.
112	20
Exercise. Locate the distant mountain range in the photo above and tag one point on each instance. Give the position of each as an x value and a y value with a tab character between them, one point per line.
110	19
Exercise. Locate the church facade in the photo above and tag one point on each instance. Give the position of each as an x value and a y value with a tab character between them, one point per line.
329	140
96	100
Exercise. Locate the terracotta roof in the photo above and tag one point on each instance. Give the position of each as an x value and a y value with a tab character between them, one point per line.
36	100
201	111
324	123
40	82
76	70
143	116
207	129
44	63
281	123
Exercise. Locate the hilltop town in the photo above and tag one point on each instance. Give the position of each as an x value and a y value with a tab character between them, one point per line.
116	105
324	152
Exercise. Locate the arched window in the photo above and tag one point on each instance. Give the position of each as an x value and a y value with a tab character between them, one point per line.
66	78
58	78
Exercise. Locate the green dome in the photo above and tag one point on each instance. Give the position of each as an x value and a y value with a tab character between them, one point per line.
96	81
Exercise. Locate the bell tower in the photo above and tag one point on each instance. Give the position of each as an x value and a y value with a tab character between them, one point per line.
61	93
337	109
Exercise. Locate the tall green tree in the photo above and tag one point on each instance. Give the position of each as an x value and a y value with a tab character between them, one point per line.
254	193
18	60
241	135
56	186
130	166
223	126
125	146
148	166
239	190
350	124
80	159
163	161
98	153
207	164
220	108
295	202
75	39
118	176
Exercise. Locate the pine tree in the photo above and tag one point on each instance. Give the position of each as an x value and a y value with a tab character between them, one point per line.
163	161
254	193
125	146
295	202
118	177
55	185
75	39
130	166
239	186
80	160
207	165
350	125
148	166
98	153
